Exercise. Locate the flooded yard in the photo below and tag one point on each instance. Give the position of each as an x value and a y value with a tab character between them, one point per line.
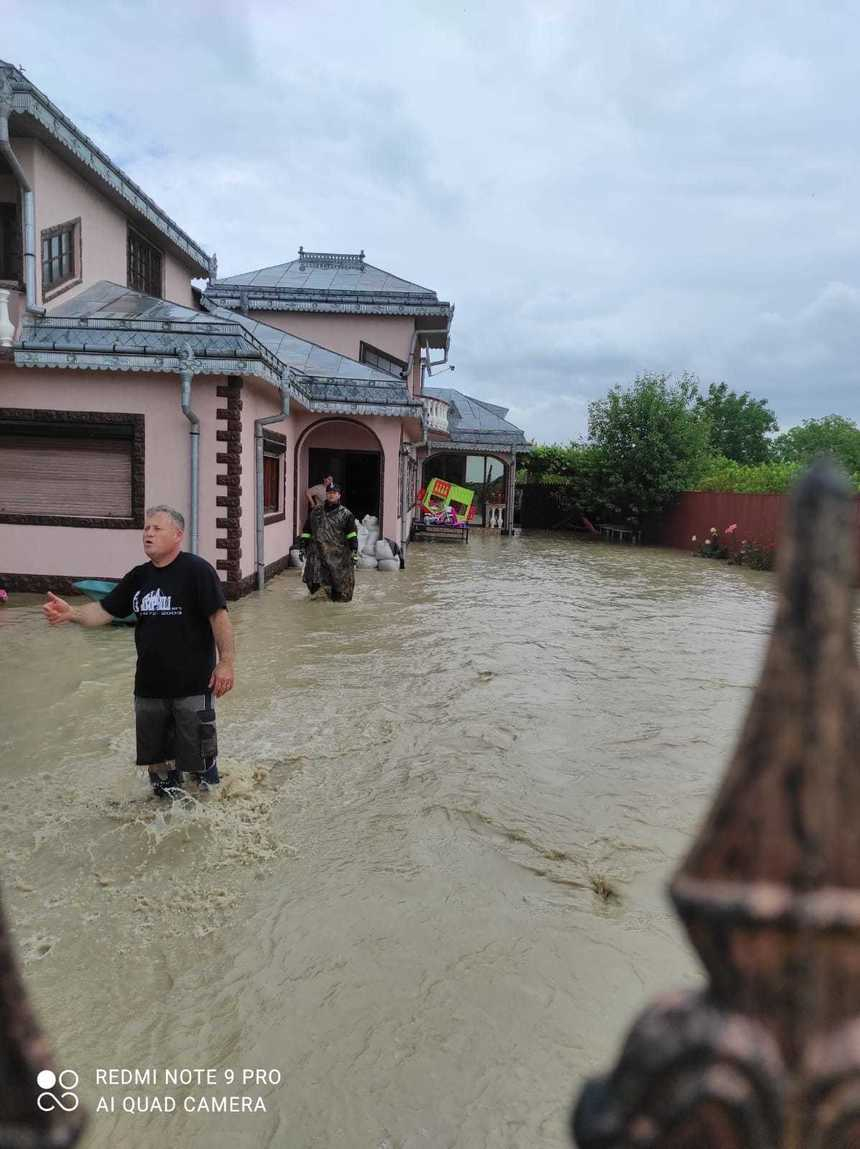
397	909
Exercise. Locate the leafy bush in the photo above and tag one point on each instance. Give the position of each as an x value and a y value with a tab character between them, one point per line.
714	545
721	474
724	545
756	556
578	469
550	463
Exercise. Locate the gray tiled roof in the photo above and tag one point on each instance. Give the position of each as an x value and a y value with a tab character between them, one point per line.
120	328
309	358
317	281
109	327
328	375
106	300
473	421
107	316
45	120
296	275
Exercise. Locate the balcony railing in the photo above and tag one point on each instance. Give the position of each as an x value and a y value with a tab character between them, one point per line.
436	412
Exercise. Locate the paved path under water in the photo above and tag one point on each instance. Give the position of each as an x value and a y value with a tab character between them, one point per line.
393	900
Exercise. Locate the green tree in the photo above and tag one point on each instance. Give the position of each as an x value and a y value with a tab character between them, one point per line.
576	470
833	434
739	425
550	462
653	443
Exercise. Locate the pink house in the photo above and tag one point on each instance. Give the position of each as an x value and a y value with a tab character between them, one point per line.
122	385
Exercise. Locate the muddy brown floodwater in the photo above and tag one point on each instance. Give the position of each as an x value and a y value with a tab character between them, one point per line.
392	903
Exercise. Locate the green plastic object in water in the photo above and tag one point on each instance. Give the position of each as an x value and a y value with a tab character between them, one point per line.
96	589
440	494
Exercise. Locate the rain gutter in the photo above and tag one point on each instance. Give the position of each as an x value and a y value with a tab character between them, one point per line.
185	374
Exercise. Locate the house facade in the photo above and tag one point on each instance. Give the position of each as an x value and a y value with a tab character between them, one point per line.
122	385
386	330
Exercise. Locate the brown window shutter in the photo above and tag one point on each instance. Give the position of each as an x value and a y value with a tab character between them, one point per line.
83	478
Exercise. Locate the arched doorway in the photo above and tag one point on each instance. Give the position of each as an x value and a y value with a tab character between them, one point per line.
483	474
352	454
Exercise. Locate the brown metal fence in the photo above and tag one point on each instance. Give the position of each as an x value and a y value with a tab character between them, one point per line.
759	518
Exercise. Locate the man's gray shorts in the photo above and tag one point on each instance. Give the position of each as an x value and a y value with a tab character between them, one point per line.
180	730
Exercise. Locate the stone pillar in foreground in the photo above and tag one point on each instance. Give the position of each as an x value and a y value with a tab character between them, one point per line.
768	1055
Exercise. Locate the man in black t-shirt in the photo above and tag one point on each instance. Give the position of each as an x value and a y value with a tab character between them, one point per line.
181	619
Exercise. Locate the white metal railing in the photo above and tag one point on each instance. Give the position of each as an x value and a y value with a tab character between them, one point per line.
436	412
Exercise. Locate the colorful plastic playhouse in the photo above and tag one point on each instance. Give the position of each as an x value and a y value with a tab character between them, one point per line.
447	504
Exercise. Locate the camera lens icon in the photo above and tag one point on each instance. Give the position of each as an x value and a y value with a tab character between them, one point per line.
67	1081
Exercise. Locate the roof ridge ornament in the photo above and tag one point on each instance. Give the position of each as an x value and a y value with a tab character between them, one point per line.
328	259
768	1055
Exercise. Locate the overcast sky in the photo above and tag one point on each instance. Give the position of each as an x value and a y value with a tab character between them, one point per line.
601	188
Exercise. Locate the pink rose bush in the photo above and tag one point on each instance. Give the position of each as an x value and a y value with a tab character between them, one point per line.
717	545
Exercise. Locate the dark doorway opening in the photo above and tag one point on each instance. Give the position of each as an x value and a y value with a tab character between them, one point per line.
358	472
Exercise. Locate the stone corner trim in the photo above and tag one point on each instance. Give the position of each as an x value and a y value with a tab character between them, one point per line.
228	437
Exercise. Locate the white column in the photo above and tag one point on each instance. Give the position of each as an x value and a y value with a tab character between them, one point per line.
7	327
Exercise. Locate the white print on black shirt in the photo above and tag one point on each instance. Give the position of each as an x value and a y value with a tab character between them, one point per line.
154	602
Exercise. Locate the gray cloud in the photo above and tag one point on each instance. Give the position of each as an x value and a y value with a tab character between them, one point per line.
601	188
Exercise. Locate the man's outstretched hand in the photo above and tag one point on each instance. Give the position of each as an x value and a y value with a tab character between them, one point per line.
56	610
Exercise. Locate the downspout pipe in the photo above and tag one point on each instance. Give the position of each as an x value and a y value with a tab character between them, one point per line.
185	374
417	444
259	424
28	203
407	370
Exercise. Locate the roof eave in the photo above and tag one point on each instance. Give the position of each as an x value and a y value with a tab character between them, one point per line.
348	407
486	446
134	362
339	306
